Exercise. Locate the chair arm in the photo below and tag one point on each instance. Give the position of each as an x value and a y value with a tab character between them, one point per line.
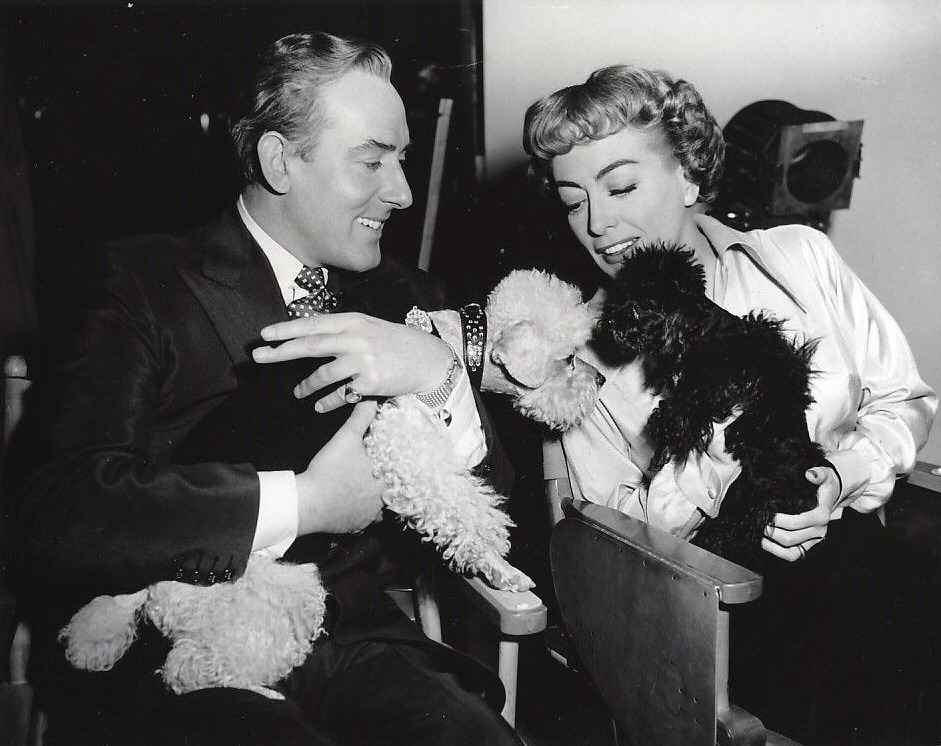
734	583
513	613
926	475
735	727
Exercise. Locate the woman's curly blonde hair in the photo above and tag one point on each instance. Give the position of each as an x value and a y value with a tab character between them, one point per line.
621	95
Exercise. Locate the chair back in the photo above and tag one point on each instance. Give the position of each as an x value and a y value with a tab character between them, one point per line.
647	615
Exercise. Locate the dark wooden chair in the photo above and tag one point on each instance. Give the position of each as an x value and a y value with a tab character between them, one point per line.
509	616
648	616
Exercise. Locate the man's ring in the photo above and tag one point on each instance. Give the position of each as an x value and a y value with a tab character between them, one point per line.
800	548
351	395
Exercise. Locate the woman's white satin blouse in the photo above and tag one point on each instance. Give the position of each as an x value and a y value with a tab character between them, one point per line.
871	410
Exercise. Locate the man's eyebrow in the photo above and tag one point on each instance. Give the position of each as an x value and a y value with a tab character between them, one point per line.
372	145
615	164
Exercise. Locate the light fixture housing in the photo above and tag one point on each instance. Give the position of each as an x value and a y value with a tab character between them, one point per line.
787	162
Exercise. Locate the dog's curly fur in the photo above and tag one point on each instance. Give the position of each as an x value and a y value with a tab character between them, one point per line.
246	634
708	364
536	323
449	506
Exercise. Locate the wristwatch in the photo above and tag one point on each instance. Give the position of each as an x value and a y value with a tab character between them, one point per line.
437	398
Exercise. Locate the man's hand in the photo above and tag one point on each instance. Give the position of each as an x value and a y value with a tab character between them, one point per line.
338	493
378	358
790	537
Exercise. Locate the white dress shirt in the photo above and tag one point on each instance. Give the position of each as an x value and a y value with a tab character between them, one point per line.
276	528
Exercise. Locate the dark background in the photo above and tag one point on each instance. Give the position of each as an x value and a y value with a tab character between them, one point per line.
108	98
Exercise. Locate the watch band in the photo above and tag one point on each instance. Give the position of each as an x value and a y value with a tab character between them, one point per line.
437	398
474	334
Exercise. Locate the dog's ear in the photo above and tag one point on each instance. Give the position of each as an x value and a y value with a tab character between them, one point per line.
520	350
566	397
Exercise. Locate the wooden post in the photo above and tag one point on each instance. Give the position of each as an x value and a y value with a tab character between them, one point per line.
434	183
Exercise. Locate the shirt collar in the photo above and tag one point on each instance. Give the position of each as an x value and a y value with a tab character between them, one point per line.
724	239
284	264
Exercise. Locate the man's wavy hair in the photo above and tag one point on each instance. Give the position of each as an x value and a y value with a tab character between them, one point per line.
284	94
613	98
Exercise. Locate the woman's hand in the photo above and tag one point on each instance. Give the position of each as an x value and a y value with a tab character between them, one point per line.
789	536
376	357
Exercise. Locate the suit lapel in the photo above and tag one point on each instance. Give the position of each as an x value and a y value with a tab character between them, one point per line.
236	287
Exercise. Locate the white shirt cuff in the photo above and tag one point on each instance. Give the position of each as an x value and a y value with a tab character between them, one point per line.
682	492
465	431
854	471
276	528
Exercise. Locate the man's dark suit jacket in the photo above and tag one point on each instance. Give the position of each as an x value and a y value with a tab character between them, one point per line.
164	360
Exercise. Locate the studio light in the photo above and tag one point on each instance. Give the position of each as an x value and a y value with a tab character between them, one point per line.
786	164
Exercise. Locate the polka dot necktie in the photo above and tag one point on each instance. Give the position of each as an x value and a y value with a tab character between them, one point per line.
319	300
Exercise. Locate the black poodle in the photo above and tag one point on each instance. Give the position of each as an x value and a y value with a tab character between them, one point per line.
708	364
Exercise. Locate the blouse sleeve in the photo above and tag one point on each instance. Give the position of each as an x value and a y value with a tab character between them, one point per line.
896	407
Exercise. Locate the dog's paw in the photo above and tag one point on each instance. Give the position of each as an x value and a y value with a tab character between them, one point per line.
501	575
264	691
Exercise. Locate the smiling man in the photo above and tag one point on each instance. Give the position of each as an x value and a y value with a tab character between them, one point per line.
172	455
329	196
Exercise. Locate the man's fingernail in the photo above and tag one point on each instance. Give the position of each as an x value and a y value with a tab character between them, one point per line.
811	473
266	333
318	407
